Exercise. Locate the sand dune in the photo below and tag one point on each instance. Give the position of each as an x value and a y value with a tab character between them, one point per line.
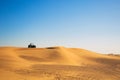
57	63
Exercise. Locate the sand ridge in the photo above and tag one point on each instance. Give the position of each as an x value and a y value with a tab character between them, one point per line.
57	63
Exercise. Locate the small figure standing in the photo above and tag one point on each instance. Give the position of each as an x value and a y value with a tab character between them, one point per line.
31	45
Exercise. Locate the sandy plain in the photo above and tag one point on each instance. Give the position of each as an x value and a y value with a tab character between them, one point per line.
57	63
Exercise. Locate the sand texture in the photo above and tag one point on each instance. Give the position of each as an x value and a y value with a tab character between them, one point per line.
57	63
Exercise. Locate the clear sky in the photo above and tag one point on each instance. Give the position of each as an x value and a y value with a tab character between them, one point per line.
88	24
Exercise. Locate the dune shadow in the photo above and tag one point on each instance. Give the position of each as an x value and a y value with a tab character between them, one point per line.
50	48
32	58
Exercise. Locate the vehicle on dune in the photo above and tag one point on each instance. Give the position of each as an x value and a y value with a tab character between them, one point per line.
31	45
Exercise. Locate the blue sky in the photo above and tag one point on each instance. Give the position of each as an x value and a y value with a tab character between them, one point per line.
89	24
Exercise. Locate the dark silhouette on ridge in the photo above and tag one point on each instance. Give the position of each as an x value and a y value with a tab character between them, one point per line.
31	45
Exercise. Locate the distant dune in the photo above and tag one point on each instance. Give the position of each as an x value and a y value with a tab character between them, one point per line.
57	63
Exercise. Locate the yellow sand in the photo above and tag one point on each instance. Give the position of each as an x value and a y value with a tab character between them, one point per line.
57	63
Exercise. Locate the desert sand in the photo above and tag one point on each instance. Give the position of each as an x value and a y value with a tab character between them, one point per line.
57	63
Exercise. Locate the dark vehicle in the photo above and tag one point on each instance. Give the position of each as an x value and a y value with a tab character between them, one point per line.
31	45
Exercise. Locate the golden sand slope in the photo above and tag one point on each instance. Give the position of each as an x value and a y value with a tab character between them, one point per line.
57	63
